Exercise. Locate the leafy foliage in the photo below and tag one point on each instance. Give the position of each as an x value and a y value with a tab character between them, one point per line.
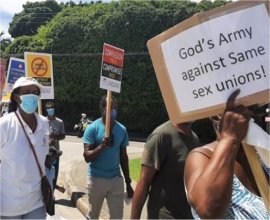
4	42
22	44
75	37
135	169
32	17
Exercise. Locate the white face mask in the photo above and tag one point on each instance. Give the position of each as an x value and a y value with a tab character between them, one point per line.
29	103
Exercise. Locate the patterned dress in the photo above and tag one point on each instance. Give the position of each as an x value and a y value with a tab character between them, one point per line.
243	205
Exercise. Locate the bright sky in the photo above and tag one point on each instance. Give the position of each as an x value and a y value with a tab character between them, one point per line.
9	7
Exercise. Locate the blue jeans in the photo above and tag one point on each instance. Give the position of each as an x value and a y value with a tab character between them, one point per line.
39	213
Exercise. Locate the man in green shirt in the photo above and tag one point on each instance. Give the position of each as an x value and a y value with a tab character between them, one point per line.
162	172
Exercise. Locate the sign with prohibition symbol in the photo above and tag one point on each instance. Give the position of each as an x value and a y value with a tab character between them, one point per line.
39	66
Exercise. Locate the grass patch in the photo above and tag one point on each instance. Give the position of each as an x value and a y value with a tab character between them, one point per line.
135	169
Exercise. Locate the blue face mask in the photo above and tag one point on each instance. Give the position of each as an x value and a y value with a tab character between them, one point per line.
29	103
50	111
113	114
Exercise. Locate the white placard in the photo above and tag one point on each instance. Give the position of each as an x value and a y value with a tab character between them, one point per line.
208	61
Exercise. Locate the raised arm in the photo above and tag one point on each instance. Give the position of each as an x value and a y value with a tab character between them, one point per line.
209	177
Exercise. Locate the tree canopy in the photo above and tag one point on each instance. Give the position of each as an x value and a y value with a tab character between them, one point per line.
75	37
34	15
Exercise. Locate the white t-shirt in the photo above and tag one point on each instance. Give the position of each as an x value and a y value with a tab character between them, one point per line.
20	189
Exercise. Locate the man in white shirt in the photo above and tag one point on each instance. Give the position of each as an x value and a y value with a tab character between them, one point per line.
20	188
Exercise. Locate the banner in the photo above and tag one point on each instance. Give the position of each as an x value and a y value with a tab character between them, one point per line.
111	68
40	67
202	60
16	69
2	79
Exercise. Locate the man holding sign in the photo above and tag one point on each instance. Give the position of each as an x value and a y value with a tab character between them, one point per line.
104	155
209	57
20	191
218	178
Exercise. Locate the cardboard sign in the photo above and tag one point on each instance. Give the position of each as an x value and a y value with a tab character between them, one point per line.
2	76
16	69
39	66
202	60
2	79
111	68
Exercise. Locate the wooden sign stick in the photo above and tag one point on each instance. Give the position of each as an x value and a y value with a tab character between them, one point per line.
108	113
40	107
258	173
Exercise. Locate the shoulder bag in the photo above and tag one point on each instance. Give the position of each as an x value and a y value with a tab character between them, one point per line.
46	189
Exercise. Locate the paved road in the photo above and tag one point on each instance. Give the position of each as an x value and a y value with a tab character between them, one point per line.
72	148
72	151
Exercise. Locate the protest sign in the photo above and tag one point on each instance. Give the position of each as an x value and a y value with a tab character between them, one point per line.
40	67
16	69
201	61
2	79
111	68
111	76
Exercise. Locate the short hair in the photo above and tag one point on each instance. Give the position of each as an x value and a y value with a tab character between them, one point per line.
49	105
103	103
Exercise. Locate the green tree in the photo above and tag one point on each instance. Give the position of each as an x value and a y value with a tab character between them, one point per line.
22	44
75	37
32	17
4	42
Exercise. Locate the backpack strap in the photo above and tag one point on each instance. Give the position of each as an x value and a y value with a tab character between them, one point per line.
31	146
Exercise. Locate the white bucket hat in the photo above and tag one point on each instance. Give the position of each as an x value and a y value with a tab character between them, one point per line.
26	81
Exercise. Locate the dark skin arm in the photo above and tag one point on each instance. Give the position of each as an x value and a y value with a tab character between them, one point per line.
59	137
60	188
141	191
91	151
209	180
125	169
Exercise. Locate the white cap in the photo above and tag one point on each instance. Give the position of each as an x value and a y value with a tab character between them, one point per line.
26	81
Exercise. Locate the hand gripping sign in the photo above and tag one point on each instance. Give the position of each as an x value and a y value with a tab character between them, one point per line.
201	61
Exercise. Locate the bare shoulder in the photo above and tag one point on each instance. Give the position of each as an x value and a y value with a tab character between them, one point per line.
204	151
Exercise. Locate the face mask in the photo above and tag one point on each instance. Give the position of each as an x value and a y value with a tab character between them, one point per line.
113	114
29	103
50	111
